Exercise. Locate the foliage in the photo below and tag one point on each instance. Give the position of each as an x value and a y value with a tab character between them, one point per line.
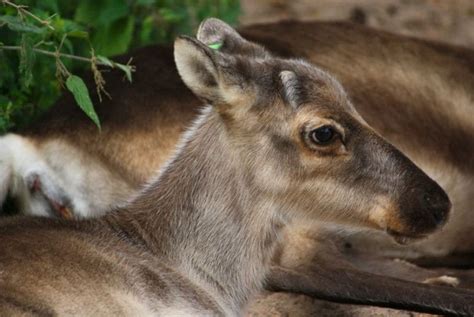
44	42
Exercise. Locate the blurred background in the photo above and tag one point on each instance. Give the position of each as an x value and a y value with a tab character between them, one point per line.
85	33
451	21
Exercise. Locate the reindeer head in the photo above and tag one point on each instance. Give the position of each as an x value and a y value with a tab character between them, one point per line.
301	141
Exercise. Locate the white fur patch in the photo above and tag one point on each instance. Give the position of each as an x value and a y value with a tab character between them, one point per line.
65	173
20	158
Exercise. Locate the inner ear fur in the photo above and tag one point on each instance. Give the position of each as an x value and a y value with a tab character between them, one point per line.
197	65
211	75
213	31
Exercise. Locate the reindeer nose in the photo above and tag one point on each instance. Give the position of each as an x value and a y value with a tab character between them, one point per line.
436	202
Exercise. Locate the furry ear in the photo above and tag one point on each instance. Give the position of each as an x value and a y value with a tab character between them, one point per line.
197	65
220	36
218	78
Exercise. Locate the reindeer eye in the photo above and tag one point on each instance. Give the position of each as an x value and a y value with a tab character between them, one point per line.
323	135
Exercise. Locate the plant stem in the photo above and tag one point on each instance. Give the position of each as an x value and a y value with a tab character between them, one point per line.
21	9
53	54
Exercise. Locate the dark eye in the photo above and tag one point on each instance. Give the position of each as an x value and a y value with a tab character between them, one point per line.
323	135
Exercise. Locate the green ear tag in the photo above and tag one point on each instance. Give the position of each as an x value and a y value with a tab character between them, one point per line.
215	46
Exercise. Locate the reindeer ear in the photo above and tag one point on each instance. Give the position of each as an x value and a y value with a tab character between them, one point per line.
218	78
197	66
220	36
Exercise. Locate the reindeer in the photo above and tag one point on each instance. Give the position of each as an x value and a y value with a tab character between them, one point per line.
118	163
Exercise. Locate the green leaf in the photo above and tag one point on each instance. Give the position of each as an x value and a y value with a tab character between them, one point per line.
131	23
101	12
66	26
78	34
126	69
146	30
171	16
77	87
88	11
115	38
8	70
27	59
48	5
4	100
145	2
105	61
16	24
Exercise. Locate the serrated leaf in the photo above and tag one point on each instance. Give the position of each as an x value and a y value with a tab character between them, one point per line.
16	24
27	59
79	90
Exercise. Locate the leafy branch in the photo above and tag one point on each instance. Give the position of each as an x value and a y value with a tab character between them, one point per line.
73	83
44	43
22	11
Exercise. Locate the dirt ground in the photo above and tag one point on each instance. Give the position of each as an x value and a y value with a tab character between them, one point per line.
451	21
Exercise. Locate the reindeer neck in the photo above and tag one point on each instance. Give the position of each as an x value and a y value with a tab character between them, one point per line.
205	217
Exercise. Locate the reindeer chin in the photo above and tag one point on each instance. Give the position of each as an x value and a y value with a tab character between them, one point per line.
404	239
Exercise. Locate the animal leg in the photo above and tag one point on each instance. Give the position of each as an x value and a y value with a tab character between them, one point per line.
358	287
321	265
40	184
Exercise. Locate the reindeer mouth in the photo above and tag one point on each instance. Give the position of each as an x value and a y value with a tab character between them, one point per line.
403	238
